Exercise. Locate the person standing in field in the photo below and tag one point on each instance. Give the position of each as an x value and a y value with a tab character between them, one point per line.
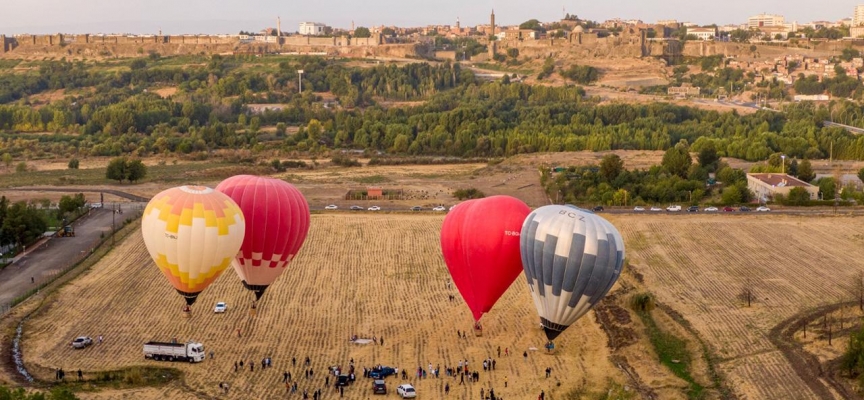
499	351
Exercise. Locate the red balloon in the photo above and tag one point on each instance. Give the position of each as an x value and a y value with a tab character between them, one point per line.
480	242
277	222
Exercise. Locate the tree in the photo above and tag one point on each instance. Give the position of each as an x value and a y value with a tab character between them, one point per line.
677	160
532	24
73	163
362	32
116	169
828	187
861	174
805	171
513	52
7	160
21	167
388	32
69	204
731	195
135	170
793	168
798	196
470	193
708	156
138	63
610	167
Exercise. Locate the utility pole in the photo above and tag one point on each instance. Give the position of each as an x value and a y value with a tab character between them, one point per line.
113	230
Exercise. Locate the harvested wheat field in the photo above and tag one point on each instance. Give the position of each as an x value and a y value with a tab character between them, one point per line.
369	275
699	265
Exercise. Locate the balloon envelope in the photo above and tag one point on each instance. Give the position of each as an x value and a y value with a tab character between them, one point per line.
192	233
277	222
572	257
480	242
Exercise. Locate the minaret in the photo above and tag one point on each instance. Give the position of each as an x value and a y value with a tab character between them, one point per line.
457	23
352	26
492	22
278	27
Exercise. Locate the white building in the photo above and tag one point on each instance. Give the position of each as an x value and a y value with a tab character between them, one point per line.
758	21
858	17
312	28
703	33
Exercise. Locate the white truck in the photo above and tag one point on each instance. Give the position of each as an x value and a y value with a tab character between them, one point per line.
161	351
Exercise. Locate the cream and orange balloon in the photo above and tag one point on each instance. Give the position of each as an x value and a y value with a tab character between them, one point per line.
192	233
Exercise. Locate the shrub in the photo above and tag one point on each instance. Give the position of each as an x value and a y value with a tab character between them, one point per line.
73	163
470	193
344	161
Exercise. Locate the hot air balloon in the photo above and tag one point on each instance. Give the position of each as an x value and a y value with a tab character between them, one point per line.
480	242
277	221
572	257
192	233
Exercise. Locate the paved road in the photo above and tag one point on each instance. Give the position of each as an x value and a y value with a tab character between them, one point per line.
54	255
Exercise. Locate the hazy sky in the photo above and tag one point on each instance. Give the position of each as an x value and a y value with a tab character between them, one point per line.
217	16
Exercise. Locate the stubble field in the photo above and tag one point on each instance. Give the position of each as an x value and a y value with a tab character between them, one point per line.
369	275
699	265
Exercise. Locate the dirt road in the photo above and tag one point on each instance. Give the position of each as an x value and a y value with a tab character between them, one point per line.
55	255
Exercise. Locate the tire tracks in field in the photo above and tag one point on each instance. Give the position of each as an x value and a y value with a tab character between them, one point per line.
818	378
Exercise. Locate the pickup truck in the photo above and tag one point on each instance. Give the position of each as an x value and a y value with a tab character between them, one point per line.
162	351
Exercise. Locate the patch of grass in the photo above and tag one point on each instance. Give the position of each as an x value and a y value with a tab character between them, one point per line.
183	172
373	179
672	351
126	378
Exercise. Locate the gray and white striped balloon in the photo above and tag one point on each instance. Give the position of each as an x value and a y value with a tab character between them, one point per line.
571	257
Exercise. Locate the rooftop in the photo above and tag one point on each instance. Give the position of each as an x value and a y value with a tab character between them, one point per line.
780	180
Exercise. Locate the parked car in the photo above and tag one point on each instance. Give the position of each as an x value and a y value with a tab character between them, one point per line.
597	208
81	342
638	209
728	209
342	380
374	208
356	208
673	208
711	209
95	205
379	387
416	208
439	208
331	207
744	208
763	209
656	209
693	209
221	307
381	373
406	391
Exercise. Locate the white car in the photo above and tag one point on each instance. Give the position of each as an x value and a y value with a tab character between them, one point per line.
655	209
331	207
406	391
221	307
763	209
95	205
374	208
711	209
439	208
82	342
638	209
673	208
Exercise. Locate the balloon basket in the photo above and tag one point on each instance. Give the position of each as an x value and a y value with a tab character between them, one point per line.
550	348
253	312
478	332
186	314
